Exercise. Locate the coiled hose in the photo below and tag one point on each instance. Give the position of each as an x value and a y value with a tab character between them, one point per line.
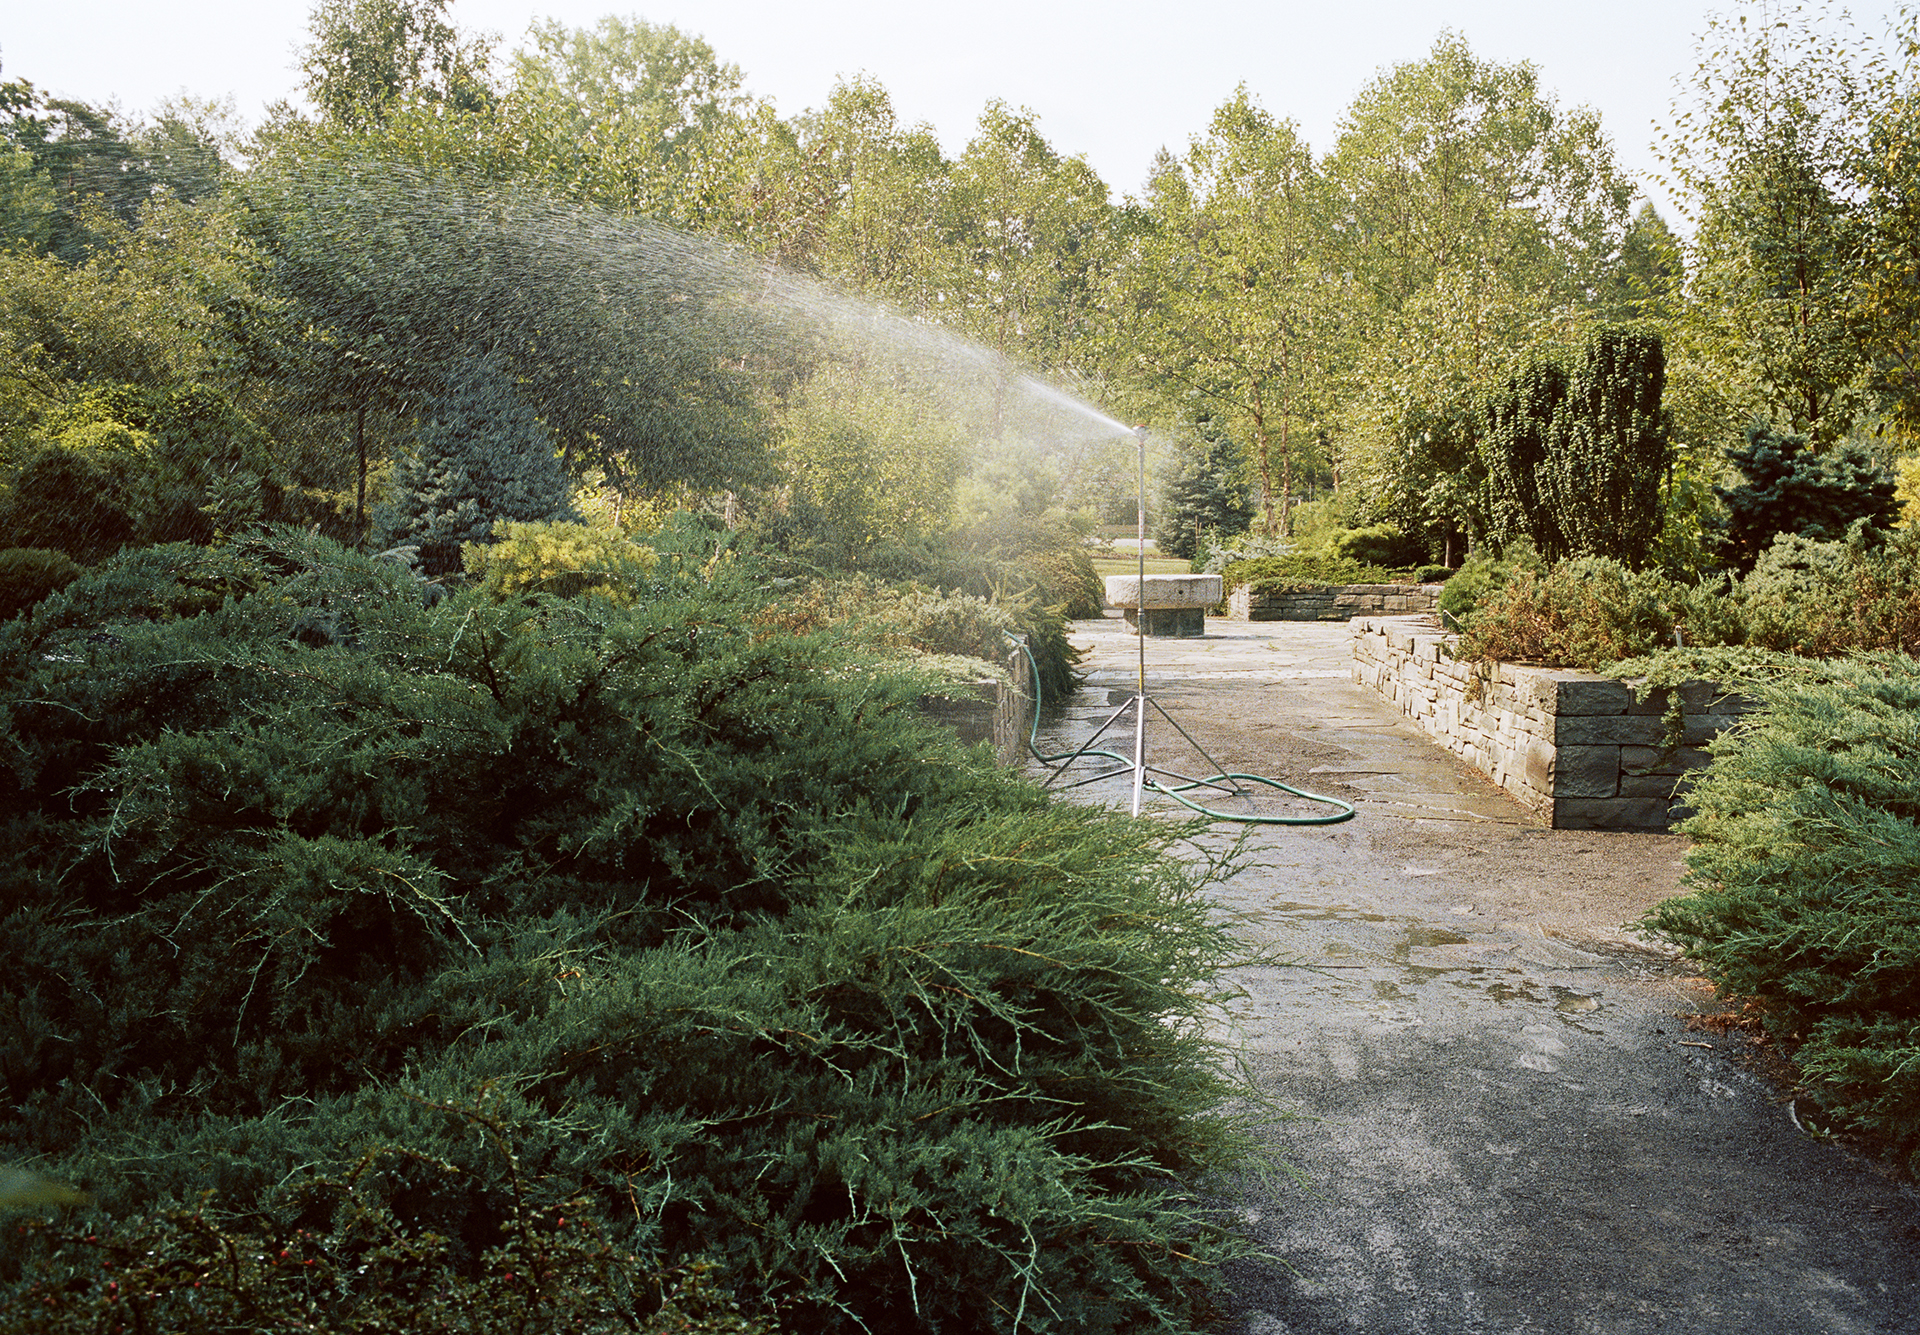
1343	810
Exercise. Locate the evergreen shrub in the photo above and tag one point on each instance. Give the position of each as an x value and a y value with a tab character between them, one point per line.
418	927
1805	877
28	574
559	558
1586	612
67	501
483	457
1382	545
1789	486
1828	598
1291	573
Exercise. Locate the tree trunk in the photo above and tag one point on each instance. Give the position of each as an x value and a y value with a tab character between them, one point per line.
1286	477
1262	448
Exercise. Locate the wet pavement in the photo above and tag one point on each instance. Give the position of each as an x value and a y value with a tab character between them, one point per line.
1500	1115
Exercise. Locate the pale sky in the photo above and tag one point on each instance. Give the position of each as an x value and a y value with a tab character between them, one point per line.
1113	81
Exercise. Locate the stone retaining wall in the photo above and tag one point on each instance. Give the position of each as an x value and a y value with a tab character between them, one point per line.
1333	602
991	710
1573	746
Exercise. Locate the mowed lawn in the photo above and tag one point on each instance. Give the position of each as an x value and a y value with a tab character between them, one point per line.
1130	565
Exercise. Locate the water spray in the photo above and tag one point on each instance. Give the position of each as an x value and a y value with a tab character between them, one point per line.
1151	778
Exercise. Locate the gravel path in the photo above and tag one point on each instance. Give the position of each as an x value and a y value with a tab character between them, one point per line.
1502	1115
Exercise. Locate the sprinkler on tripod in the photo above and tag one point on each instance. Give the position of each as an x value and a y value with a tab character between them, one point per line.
1147	777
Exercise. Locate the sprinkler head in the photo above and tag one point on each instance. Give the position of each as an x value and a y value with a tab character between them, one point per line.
1140	433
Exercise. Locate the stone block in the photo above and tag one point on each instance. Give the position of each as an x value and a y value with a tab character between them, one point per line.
1581	693
1648	785
1655	703
1608	730
1610	813
1702	728
1539	767
1585	771
1163	591
1659	760
1172	622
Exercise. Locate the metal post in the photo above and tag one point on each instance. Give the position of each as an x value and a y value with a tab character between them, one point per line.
1140	626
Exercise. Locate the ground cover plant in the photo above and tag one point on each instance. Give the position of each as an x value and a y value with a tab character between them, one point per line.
1805	876
1820	599
1287	574
508	958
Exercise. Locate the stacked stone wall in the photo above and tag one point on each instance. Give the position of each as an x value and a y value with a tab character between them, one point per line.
991	710
1575	747
1333	602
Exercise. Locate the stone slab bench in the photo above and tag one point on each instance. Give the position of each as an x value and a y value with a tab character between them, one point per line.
1168	605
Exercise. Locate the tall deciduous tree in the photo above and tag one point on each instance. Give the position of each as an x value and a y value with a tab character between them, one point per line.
367	58
1226	292
1477	218
632	116
1025	232
1766	150
887	188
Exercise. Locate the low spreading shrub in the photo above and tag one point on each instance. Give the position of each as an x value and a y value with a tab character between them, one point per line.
1381	545
408	930
1819	599
1287	574
1585	612
932	623
1827	598
1805	877
1482	574
28	574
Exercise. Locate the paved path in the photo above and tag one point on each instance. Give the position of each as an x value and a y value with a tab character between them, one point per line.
1504	1120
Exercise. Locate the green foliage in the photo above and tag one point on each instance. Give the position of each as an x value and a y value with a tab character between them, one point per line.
559	558
483	457
1805	878
409	926
1790	486
65	501
1483	574
1575	453
1205	493
369	57
1281	574
1382	545
28	574
1775	150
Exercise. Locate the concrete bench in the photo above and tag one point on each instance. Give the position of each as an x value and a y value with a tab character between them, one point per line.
1170	604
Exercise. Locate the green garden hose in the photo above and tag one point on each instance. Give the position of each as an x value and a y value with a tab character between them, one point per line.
1343	810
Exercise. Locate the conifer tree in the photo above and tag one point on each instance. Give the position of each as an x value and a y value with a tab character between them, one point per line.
1575	454
1609	447
1206	491
483	456
1514	431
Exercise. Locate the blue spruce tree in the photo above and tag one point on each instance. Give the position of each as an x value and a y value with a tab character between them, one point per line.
483	456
